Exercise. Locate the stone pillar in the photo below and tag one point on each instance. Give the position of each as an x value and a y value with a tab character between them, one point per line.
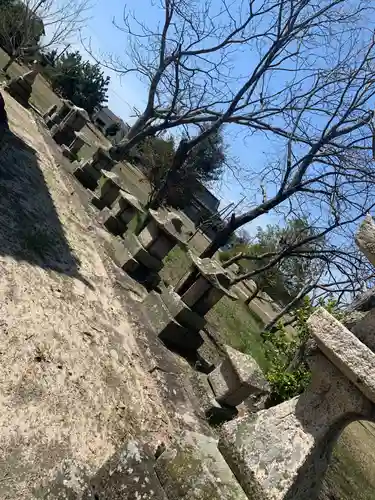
108	190
72	150
50	111
90	171
20	88
123	211
141	256
65	131
282	453
205	285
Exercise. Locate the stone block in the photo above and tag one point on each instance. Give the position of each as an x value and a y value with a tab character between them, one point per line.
355	360
67	153
363	327
215	413
129	474
139	253
282	453
110	222
194	469
20	89
149	233
365	238
87	175
77	144
166	327
108	191
50	111
236	378
122	256
181	312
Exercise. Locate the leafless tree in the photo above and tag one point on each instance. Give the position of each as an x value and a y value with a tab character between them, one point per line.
30	25
309	90
339	270
187	62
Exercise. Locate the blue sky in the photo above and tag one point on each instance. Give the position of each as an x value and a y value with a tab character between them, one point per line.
127	93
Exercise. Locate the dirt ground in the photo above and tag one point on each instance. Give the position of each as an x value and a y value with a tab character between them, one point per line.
74	382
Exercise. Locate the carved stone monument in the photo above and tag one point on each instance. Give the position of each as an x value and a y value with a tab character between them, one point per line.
90	172
20	88
177	315
142	256
123	211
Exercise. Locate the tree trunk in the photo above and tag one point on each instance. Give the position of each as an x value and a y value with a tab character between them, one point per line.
9	63
137	133
298	358
253	295
305	290
179	159
221	239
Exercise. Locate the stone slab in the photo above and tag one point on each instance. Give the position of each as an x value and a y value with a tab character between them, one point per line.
353	358
129	474
282	453
237	378
194	469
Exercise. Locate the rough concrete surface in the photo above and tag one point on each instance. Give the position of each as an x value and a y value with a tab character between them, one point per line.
194	469
73	383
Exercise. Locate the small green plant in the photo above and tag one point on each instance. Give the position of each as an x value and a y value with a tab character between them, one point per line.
288	372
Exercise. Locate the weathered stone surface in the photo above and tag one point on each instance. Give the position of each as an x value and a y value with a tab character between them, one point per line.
20	88
202	290
139	253
355	360
122	256
236	378
362	324
180	311
195	470
168	328
108	191
87	175
365	238
211	409
129	474
50	111
282	453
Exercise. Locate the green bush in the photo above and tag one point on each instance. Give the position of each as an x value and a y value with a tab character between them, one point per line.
288	373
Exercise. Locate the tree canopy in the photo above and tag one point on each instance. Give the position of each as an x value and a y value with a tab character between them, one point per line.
80	81
286	278
203	165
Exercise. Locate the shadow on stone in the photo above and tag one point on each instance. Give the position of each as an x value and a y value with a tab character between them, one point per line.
30	229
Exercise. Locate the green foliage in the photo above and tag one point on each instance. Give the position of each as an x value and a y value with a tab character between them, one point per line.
204	164
51	57
288	372
80	81
285	279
